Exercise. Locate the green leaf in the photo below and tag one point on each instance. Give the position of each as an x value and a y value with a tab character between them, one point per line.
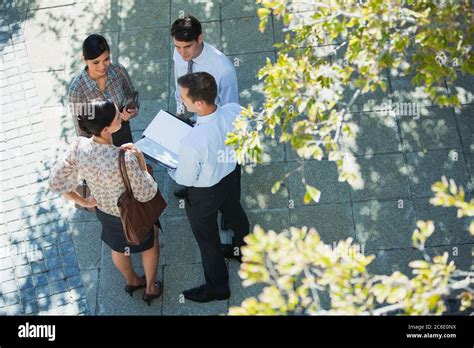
263	12
312	193
276	187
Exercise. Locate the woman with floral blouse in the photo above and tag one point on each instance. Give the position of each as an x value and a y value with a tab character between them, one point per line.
96	160
100	80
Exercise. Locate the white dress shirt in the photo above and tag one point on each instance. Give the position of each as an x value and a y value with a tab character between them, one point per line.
204	158
214	62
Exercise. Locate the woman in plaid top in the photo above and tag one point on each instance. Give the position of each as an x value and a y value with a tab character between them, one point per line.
102	80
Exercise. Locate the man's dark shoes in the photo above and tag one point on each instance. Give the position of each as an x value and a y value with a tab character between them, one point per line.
202	294
231	252
179	193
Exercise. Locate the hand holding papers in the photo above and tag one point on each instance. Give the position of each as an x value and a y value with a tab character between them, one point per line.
162	138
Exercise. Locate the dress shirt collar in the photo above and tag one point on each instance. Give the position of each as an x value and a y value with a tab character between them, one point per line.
207	118
202	58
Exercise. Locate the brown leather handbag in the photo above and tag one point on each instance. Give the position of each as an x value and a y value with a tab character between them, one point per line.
137	217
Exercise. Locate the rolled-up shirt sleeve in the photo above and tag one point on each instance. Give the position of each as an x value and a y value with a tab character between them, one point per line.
64	177
143	185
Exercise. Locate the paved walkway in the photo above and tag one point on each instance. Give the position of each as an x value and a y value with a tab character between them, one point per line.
51	256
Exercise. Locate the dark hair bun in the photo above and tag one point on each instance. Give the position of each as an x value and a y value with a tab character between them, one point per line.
94	46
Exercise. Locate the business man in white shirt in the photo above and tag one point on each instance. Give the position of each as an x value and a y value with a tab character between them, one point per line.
192	54
207	169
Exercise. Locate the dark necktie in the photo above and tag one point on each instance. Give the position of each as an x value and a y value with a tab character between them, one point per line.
187	114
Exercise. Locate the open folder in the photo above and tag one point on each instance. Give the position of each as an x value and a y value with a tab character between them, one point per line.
162	139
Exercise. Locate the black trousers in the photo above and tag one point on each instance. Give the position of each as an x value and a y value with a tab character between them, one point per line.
202	205
238	175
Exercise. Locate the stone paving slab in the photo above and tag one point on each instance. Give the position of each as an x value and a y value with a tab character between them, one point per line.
384	224
247	67
47	59
461	254
45	81
87	242
180	277
144	14
448	228
427	168
333	222
436	130
257	183
384	177
92	16
144	77
241	35
204	10
321	174
376	133
403	92
463	87
238	9
465	119
144	46
175	206
90	281
49	23
273	219
181	243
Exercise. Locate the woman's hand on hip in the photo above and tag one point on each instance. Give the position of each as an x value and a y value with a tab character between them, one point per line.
89	202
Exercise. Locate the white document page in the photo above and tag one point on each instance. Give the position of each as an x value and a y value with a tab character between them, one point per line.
158	152
162	138
167	130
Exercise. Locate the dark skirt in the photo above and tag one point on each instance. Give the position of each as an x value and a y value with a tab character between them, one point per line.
113	235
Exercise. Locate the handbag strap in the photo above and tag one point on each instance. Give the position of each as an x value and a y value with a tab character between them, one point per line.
123	171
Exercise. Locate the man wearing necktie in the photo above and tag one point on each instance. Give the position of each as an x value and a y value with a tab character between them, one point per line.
207	170
192	54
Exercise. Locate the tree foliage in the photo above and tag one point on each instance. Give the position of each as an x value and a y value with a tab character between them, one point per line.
335	51
297	269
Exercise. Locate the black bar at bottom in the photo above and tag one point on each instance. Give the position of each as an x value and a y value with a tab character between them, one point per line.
417	330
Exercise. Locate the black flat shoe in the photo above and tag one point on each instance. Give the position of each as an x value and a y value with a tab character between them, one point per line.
148	298
130	289
202	295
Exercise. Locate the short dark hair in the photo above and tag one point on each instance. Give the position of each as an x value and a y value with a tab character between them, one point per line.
94	46
186	28
201	85
99	114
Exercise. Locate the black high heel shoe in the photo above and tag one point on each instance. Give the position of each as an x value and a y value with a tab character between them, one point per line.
130	289
148	298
